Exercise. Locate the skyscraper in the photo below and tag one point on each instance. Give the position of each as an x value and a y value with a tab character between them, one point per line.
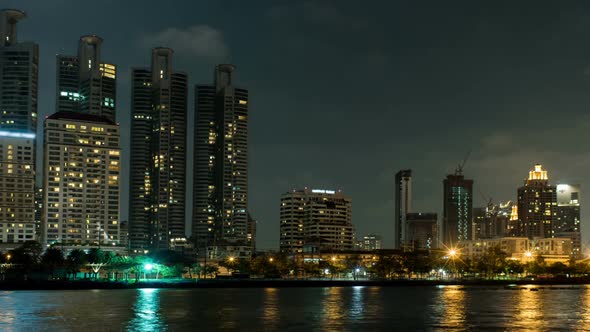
315	220
82	174
84	83
18	123
157	199
567	223
403	205
19	62
457	209
537	205
220	205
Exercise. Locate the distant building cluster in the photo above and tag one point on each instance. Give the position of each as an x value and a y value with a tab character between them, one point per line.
79	201
543	216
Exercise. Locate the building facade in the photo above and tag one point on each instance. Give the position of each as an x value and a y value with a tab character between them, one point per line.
157	199
85	83
537	205
494	220
251	232
315	220
17	187
220	197
82	174
39	212
568	216
422	231
19	63
403	205
521	249
369	242
457	209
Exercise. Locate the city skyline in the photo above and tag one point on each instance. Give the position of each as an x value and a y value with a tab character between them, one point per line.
274	171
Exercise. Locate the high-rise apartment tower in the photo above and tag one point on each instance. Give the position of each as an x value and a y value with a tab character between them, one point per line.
19	63
157	198
537	205
220	203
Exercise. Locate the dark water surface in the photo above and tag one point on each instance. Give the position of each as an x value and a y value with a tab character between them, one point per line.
297	309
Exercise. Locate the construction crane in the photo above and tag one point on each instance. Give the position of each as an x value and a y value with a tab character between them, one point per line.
459	169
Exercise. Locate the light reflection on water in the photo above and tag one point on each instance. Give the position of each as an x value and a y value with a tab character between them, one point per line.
357	304
453	305
269	309
450	307
147	311
584	303
529	308
333	310
8	315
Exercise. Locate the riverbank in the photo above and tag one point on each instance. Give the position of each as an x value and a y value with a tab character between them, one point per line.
273	283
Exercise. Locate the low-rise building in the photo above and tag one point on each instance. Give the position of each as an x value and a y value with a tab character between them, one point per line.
521	248
369	242
316	220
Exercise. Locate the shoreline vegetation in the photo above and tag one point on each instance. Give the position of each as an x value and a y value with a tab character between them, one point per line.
550	283
29	267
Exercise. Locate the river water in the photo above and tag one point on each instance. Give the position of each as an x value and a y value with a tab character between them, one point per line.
297	309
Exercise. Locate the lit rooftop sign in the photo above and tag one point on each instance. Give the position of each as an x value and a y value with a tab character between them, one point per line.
322	191
4	133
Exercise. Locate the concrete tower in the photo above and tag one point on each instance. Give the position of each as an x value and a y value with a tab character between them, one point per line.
157	199
220	205
537	205
403	206
19	63
457	209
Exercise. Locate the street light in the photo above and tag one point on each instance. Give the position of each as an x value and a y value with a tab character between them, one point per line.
333	258
8	257
271	259
452	253
147	267
231	259
528	254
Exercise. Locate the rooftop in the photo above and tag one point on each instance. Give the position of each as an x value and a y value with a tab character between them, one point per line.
81	117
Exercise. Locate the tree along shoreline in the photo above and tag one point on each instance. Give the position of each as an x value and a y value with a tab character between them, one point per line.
30	265
548	283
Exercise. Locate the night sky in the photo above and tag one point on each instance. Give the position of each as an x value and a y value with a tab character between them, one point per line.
345	93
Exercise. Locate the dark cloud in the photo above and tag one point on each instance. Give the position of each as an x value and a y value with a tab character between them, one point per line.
318	12
195	41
